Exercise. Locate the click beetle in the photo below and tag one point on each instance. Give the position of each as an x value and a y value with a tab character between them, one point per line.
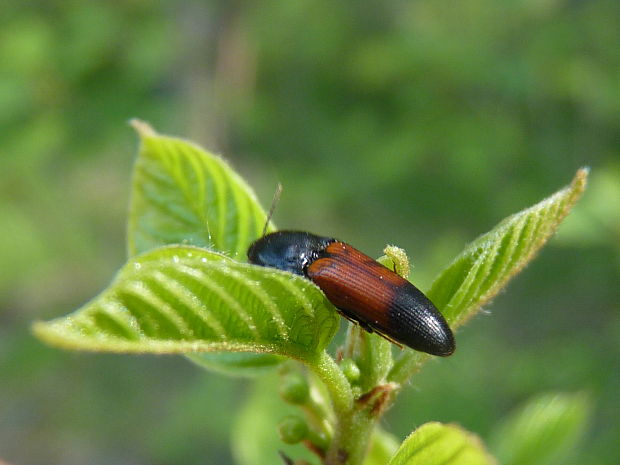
362	289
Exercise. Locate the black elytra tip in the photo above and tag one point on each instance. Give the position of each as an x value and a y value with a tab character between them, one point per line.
361	288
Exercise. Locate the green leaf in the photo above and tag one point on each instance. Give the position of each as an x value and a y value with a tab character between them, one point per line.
181	299
544	431
236	363
438	444
487	264
383	445
183	194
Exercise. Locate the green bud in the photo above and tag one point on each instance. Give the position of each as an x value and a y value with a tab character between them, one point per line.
350	369
398	258
292	429
356	391
294	388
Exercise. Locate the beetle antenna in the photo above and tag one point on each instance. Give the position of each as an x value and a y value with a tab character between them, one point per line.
274	203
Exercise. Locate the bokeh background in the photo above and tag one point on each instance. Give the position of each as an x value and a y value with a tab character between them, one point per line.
418	123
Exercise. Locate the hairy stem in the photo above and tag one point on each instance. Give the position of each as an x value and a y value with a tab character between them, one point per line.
354	421
336	383
351	438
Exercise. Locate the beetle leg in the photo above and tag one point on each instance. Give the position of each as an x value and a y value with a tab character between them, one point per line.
368	327
388	338
354	320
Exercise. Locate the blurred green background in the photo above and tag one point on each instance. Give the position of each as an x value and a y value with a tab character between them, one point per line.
417	123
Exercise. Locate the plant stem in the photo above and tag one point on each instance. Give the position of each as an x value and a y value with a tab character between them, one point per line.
351	438
354	423
336	383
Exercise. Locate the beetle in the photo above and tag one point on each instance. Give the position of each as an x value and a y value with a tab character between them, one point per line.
362	289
